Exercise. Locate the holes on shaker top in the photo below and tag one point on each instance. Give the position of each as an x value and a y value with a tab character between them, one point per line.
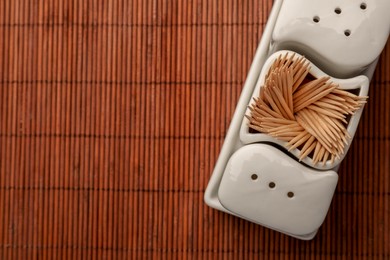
316	19
271	185
363	6
290	194
337	10
347	33
254	177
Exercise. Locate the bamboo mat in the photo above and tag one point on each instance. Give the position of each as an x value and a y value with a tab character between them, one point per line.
113	114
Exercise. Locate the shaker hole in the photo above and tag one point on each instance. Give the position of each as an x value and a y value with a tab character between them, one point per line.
337	10
363	6
316	19
254	177
271	185
347	33
290	194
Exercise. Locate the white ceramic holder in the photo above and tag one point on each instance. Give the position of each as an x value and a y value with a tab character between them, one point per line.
255	177
359	84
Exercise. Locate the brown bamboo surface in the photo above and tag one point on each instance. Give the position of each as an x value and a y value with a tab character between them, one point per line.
112	116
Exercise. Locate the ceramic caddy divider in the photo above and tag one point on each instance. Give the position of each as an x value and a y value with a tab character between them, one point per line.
256	177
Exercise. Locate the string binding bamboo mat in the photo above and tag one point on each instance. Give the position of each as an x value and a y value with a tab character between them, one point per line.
112	116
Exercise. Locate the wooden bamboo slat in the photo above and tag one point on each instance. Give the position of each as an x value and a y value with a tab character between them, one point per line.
112	116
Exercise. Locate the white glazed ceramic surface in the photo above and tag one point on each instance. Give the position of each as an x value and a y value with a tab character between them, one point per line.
318	28
360	82
228	189
252	198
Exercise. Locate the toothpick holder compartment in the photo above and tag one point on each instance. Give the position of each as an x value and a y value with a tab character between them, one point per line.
298	113
356	87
